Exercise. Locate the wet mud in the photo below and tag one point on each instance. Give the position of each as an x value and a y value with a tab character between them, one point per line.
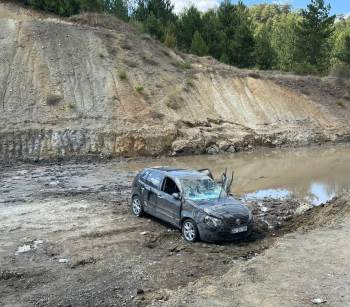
69	239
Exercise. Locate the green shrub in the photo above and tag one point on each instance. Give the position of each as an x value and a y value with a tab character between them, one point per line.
148	57
138	25
341	70
139	89
71	105
340	104
122	75
189	83
305	69
185	65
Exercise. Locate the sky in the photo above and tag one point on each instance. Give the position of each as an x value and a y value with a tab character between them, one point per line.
338	6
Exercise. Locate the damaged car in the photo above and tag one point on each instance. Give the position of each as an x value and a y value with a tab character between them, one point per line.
192	201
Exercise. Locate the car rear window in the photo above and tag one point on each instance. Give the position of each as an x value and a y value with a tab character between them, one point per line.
154	178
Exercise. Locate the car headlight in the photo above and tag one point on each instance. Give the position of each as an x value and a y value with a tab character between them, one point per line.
250	215
212	221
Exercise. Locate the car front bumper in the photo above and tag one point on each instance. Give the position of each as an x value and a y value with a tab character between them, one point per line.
217	234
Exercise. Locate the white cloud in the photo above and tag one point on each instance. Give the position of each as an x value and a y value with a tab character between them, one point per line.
282	2
202	5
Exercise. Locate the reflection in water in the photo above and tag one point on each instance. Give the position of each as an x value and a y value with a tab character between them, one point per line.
318	193
268	193
312	174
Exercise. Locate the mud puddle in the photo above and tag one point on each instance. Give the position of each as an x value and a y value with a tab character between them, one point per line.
313	175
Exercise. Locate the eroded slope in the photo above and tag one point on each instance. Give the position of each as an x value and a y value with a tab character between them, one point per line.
94	85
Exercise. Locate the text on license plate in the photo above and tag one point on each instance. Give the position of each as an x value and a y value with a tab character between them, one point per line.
239	229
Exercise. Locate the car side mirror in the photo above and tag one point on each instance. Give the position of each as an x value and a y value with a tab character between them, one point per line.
176	195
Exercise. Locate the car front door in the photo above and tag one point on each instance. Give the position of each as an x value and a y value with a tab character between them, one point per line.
169	207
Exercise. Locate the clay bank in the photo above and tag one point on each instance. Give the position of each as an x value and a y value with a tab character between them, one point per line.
68	88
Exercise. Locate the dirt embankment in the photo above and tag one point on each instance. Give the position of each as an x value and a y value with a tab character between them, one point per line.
92	85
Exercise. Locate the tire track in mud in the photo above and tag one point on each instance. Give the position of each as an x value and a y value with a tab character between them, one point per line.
111	232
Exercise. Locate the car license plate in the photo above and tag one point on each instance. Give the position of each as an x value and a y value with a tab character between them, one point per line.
239	229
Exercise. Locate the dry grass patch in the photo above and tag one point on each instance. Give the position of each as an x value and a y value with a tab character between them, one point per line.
53	99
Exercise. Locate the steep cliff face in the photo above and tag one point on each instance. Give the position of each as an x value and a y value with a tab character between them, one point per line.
94	85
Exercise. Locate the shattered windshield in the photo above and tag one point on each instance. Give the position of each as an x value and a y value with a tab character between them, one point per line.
201	188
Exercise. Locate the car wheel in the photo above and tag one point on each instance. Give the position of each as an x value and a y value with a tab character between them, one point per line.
190	231
136	206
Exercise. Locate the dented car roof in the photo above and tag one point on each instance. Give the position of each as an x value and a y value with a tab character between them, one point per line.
178	172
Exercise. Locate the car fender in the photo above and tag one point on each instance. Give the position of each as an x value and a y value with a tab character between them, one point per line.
190	211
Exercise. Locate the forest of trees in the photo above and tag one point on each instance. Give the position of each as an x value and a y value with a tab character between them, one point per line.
264	36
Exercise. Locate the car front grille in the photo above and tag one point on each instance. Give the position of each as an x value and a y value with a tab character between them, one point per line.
237	220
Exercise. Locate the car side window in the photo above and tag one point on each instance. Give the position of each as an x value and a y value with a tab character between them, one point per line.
169	186
154	178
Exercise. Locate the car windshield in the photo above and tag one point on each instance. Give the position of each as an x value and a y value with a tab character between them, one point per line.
202	188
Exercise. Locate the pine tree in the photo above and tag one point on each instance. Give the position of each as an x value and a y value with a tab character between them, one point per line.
190	21
62	8
162	10
90	5
283	40
265	55
198	45
313	38
118	8
212	34
154	27
238	33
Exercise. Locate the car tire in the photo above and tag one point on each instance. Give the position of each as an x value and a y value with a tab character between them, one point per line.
136	206
190	231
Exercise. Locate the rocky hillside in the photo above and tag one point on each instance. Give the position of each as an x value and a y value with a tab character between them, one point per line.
92	85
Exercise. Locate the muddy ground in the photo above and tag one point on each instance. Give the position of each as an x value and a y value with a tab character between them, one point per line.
303	268
69	239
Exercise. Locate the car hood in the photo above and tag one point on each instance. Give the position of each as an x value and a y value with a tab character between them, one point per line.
226	207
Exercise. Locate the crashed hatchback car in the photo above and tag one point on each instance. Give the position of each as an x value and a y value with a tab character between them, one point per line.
191	201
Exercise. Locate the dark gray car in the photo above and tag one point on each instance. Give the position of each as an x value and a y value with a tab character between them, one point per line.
191	201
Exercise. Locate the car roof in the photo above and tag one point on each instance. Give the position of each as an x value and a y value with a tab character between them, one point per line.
177	172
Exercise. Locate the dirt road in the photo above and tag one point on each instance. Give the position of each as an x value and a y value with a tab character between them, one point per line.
69	239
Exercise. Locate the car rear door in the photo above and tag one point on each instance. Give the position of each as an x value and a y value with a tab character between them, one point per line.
168	207
150	191
144	189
